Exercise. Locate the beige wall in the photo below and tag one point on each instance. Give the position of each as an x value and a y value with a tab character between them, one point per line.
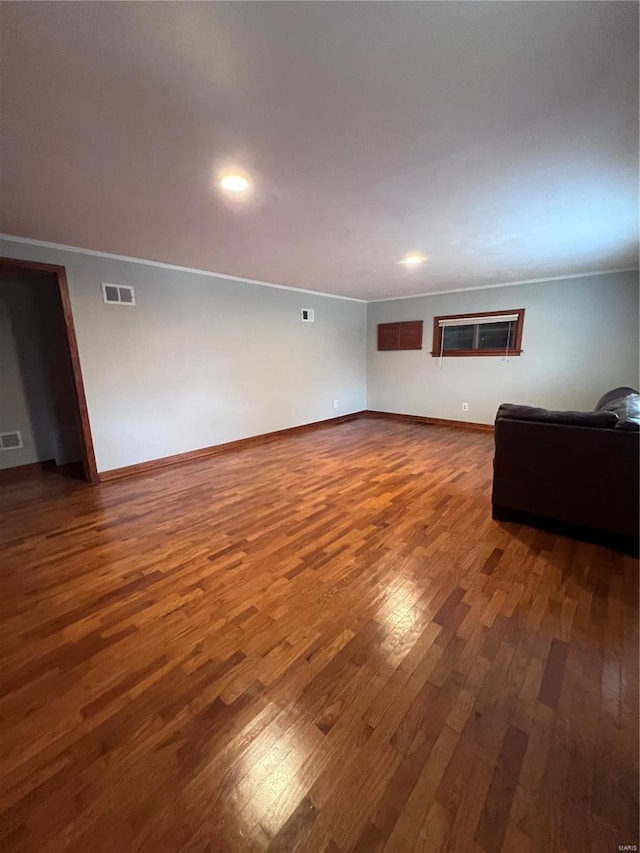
580	339
202	360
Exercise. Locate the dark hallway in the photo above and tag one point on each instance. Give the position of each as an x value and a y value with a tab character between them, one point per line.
39	428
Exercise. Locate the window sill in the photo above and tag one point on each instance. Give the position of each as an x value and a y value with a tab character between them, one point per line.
468	353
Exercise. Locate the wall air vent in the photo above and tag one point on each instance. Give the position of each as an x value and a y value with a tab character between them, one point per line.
118	294
10	440
308	315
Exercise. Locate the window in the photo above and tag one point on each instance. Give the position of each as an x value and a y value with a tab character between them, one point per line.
392	336
489	333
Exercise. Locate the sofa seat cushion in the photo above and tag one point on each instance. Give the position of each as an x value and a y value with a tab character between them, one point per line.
600	420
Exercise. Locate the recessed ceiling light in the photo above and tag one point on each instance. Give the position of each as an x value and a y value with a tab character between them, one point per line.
413	260
234	183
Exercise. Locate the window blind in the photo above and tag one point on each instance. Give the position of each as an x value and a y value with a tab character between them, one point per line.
478	321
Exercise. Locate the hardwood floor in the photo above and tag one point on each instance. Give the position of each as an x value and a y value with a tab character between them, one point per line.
319	644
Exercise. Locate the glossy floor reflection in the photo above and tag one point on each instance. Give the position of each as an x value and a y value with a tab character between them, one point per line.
251	652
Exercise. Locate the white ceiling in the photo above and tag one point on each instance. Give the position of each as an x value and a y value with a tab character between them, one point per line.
499	139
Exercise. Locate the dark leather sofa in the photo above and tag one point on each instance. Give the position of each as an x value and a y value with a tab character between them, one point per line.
575	473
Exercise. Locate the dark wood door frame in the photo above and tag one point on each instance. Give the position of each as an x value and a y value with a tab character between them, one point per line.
88	455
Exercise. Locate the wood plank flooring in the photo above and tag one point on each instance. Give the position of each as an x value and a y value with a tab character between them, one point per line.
319	644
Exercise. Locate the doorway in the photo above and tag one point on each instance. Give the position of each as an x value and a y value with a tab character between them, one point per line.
44	423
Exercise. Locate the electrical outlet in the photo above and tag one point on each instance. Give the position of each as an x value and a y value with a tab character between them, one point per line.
465	407
335	404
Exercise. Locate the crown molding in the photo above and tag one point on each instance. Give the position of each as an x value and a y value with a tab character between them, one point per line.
504	284
29	241
45	244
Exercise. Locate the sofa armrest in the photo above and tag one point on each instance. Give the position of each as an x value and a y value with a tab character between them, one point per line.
573	474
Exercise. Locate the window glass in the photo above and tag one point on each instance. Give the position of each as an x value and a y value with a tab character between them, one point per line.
458	337
495	335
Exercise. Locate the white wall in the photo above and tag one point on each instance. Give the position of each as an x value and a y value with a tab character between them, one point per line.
202	360
580	339
36	383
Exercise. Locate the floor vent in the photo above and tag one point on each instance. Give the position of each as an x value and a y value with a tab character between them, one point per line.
118	294
10	440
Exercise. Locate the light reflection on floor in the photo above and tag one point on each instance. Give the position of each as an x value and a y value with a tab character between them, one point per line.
271	788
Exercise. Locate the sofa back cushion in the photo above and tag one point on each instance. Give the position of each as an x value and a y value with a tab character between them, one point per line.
601	420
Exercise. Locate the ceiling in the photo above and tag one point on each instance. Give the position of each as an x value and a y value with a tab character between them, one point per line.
498	139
